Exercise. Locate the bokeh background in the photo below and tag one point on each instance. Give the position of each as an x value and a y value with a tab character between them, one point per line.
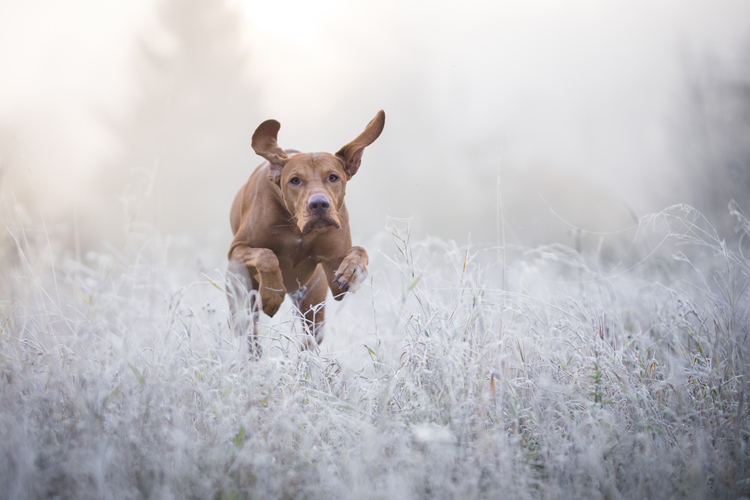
535	121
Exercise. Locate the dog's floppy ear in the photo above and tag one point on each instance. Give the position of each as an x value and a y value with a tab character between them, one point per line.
351	154
264	144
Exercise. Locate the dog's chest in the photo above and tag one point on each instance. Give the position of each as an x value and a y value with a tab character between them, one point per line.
298	253
297	262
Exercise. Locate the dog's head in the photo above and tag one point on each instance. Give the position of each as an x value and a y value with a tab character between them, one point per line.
313	184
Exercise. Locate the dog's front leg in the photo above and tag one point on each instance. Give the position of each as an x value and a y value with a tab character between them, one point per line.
350	273
263	267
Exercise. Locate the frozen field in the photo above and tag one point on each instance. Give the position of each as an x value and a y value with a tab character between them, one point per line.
456	371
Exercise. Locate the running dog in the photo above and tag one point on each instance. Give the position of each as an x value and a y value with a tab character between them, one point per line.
291	232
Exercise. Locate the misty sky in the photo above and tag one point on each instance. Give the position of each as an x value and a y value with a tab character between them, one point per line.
573	104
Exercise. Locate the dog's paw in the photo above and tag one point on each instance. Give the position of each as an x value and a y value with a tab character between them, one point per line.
309	343
271	298
264	267
256	351
352	271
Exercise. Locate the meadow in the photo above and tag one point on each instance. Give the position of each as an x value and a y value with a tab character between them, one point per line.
458	370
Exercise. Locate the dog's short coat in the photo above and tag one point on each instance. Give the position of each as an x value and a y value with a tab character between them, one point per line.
291	232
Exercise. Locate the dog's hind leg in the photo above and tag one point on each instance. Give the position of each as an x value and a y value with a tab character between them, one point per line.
311	305
244	304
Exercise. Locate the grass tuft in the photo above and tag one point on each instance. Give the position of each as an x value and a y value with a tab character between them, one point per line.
551	374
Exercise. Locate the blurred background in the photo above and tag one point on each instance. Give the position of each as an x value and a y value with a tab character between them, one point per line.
534	122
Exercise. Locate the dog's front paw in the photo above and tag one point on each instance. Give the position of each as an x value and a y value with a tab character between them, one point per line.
352	271
264	267
271	298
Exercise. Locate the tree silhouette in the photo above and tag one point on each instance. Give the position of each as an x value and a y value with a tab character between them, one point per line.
185	142
714	140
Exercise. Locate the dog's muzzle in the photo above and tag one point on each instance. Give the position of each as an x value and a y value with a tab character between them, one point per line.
319	214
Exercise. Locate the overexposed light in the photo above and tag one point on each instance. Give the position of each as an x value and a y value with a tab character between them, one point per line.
296	21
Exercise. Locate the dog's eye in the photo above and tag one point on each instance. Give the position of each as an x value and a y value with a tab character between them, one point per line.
333	177
295	180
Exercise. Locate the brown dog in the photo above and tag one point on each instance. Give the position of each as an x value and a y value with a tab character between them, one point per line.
291	232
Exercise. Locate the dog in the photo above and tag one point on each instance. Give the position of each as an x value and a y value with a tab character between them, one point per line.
291	233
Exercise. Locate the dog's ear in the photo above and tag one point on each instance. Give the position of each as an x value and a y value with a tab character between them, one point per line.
351	154
264	144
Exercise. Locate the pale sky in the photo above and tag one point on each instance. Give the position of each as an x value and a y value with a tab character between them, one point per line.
576	90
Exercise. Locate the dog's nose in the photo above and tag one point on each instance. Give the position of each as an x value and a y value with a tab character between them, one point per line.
318	203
